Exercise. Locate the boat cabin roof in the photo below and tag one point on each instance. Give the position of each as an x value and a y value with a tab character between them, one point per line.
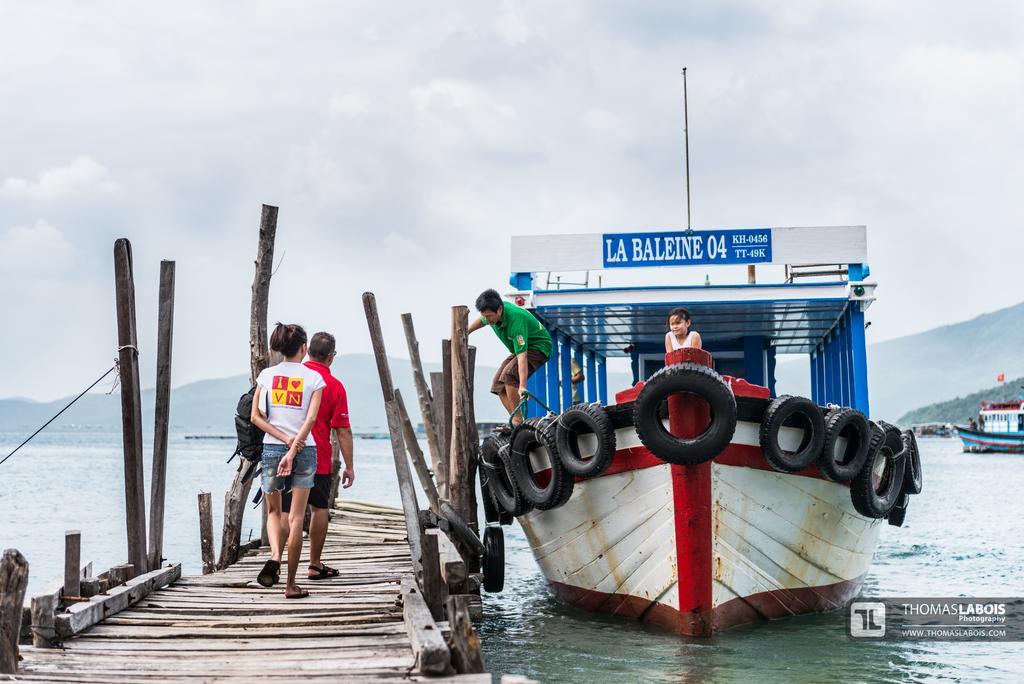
815	304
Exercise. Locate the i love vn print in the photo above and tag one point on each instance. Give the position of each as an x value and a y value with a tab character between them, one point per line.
287	391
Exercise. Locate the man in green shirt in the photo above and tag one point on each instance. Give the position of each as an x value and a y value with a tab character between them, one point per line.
523	335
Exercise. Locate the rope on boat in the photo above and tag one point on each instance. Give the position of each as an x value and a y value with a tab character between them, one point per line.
57	415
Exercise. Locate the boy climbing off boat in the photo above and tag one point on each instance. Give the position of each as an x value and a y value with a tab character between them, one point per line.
523	335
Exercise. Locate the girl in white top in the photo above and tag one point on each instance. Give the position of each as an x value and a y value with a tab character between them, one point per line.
679	335
285	406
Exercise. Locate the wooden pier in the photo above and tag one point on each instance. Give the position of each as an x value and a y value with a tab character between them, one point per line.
225	627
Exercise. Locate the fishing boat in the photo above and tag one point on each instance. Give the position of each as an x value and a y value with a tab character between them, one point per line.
1000	428
713	508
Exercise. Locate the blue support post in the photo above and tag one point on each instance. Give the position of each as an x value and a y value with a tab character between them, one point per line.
521	281
834	393
552	373
591	373
537	384
565	361
859	360
753	360
770	352
602	380
816	375
845	359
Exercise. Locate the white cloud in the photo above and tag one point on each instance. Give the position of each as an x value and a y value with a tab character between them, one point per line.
36	249
83	176
349	104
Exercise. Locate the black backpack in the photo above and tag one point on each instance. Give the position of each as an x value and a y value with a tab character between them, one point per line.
250	437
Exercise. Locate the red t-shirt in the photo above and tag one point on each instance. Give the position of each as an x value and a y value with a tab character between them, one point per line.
333	413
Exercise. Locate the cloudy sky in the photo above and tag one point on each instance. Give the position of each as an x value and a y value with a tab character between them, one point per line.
405	143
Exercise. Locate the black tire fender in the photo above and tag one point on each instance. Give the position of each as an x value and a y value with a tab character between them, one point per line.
787	411
877	487
913	480
494	559
538	434
898	514
500	483
689	378
853	427
581	419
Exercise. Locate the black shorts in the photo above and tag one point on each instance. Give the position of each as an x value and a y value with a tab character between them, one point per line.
319	493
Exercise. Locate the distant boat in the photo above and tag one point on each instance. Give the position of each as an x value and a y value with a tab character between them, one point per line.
1000	429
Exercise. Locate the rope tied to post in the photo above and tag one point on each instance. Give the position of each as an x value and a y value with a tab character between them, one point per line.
66	407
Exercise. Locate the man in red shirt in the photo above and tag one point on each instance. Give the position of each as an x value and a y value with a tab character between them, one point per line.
333	415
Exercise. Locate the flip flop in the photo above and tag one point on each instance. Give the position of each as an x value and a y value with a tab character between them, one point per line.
301	595
323	572
270	574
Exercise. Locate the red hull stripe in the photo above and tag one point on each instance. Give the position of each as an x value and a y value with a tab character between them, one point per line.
766	605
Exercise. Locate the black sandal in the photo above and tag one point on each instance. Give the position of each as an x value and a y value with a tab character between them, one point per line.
270	574
323	572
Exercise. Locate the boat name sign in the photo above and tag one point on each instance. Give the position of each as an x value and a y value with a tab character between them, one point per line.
679	248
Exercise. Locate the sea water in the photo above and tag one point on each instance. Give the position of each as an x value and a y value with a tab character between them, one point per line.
962	537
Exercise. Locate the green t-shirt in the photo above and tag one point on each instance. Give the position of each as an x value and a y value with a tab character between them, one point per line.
519	331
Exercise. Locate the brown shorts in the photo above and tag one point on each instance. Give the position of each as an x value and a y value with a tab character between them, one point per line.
508	371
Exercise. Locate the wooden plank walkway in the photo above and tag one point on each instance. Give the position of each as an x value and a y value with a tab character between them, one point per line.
225	627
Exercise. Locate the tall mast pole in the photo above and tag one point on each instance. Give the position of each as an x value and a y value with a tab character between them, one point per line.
686	138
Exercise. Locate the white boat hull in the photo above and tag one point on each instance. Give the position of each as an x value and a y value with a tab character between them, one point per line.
697	549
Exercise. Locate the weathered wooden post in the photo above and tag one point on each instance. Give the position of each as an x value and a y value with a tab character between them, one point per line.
405	485
430	422
446	404
467	655
72	563
434	589
473	446
131	404
13	582
459	483
259	358
206	532
419	461
161	420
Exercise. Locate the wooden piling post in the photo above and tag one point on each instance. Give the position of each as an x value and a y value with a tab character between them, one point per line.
430	422
206	532
419	461
72	563
13	582
441	421
161	420
434	589
131	404
259	358
44	633
467	656
458	463
473	445
410	508
446	403
119	574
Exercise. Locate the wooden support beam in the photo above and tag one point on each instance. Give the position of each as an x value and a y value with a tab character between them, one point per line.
428	646
259	358
441	463
13	582
434	590
446	404
206	532
162	410
131	403
472	446
466	654
430	423
72	563
79	616
419	461
405	484
90	586
462	449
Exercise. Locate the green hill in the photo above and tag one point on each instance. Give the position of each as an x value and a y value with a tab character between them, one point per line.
949	361
959	410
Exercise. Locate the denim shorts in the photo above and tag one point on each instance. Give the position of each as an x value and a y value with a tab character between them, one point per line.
303	468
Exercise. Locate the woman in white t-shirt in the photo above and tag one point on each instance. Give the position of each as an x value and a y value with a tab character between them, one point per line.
679	334
284	407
